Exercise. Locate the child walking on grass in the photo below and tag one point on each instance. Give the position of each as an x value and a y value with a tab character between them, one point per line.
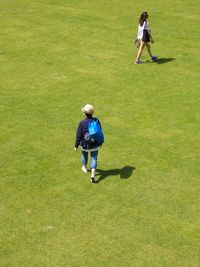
87	143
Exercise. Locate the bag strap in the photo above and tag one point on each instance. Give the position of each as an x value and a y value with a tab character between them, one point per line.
96	119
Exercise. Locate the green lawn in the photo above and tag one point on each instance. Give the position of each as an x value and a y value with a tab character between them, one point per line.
55	57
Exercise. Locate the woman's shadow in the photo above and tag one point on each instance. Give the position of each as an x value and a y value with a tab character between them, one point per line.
124	173
164	60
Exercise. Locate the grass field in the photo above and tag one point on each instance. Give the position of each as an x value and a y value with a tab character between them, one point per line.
55	57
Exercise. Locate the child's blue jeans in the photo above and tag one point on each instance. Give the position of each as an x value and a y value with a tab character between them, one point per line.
93	154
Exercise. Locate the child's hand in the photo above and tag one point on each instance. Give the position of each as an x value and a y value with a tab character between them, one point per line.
75	148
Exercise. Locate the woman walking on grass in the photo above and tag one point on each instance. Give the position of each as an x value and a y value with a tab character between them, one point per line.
144	35
89	144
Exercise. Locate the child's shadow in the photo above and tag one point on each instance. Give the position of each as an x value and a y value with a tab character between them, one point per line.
124	173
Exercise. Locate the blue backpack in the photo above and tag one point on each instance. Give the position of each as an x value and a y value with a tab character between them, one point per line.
95	131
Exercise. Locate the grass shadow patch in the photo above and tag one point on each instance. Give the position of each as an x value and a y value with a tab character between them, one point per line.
164	60
124	173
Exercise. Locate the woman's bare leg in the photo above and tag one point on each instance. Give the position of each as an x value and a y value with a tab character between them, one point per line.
142	45
149	49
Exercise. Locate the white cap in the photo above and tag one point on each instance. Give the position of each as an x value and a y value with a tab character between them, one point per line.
88	109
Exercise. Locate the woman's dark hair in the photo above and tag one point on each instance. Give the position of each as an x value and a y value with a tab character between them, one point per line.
143	18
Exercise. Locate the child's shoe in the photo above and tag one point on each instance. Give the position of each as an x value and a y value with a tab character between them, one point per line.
92	176
93	180
84	169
